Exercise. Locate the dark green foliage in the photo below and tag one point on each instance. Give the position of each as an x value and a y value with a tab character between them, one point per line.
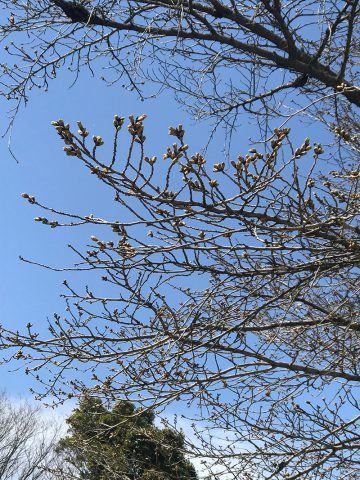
122	443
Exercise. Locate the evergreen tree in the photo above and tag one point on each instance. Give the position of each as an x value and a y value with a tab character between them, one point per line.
122	443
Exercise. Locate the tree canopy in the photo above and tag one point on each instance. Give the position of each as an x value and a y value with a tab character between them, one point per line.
232	287
122	443
27	442
220	57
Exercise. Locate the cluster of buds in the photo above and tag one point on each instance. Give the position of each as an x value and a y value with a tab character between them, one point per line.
45	221
309	203
101	244
63	131
280	135
185	169
197	159
318	149
73	151
196	186
99	172
353	245
219	167
342	133
116	228
305	147
98	141
249	158
178	132
136	128
337	174
19	354
213	183
118	122
276	143
227	233
178	223
168	195
29	198
188	210
125	249
82	130
239	164
338	195
253	155
175	153
311	182
150	160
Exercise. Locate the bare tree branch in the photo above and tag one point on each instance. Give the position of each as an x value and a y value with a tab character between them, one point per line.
222	38
241	302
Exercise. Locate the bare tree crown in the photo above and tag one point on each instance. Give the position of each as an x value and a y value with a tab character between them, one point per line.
241	301
244	55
